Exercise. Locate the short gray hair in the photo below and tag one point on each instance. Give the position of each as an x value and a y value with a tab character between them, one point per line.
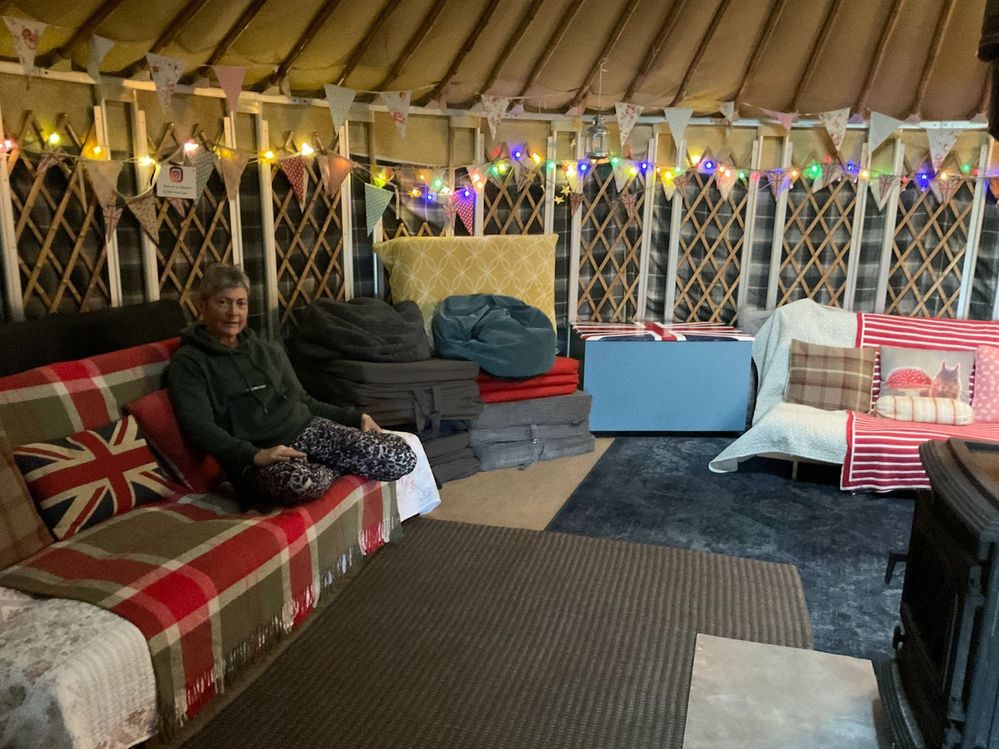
219	277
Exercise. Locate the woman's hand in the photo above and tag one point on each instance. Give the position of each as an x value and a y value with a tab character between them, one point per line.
276	454
368	424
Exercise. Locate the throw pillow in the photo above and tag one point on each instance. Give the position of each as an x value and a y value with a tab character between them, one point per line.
22	532
986	401
926	373
925	410
91	476
830	377
197	470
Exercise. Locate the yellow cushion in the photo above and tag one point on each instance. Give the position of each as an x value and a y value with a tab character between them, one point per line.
427	270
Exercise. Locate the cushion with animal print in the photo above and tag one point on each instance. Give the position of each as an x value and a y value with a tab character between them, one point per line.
926	373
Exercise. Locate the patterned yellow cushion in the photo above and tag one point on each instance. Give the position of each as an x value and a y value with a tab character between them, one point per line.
426	270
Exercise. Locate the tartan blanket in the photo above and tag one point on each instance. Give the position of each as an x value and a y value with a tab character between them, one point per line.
209	590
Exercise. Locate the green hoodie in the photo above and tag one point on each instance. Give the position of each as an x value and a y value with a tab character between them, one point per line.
231	402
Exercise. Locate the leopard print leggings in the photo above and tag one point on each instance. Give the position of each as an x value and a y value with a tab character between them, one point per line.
333	450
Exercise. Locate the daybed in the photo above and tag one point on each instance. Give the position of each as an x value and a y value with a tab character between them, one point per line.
877	454
75	674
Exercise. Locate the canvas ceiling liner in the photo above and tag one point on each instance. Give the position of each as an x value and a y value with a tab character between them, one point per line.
897	57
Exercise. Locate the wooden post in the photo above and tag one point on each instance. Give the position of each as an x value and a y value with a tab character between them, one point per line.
752	199
648	213
235	215
267	225
346	215
857	233
974	233
891	218
110	239
550	184
480	158
144	173
8	238
575	239
780	216
673	257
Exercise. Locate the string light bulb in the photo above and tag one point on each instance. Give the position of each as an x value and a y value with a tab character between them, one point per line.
147	160
268	155
864	174
190	147
53	139
307	150
536	157
7	145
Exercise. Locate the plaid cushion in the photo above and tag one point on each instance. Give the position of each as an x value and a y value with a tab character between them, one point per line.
91	476
830	377
22	532
61	399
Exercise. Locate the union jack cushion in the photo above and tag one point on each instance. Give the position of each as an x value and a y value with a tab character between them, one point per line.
93	475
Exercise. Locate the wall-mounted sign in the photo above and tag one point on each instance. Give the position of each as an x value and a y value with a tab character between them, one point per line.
175	181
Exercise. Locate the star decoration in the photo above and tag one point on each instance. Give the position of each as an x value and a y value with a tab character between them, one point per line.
559	199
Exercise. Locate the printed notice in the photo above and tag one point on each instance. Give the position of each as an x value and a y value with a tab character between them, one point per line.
175	181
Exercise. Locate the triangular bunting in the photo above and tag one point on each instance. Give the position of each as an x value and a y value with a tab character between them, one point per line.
677	118
628	200
627	116
334	169
112	214
165	72
727	109
495	109
621	176
25	35
944	189
725	178
104	179
230	78
464	205
835	122
881	128
49	159
941	142
231	168
339	100
376	200
669	187
143	207
881	189
99	48
779	181
204	164
294	169
786	119
516	110
397	103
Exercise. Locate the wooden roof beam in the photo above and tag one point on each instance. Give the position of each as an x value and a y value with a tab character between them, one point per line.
814	57
169	34
942	22
609	45
766	33
466	49
561	29
82	34
665	30
511	43
681	92
314	26
233	34
429	21
362	46
879	56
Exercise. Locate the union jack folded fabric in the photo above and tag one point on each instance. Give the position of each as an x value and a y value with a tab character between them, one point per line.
657	331
210	590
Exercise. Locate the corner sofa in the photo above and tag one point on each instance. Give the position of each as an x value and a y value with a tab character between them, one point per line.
876	454
130	626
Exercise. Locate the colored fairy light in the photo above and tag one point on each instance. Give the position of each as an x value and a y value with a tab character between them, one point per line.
431	197
944	175
437	183
923	177
423	178
615	160
668	176
307	150
190	146
695	159
549	164
466	193
7	144
851	167
415	192
502	167
517	154
794	174
644	166
632	171
571	169
708	165
146	160
53	139
96	150
536	158
493	170
965	168
268	155
814	170
742	174
864	174
583	166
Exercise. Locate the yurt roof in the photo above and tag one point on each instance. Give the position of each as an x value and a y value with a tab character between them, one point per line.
897	57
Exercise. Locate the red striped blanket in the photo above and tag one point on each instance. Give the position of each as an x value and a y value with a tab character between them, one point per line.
210	590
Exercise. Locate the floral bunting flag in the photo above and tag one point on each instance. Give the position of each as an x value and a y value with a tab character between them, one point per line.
727	109
339	100
231	167
627	116
294	169
99	48
143	207
230	78
785	119
334	169
165	72
376	200
575	200
464	205
881	189
397	103
835	122
112	214
103	178
881	128
621	176
944	189
628	200
25	35
725	179
495	109
941	142
677	118
204	164
49	159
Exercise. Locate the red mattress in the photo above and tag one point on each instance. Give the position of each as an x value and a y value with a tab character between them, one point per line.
561	379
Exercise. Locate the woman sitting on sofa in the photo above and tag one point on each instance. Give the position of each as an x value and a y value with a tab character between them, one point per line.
237	397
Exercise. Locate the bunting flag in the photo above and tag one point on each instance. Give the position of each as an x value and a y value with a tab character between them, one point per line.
881	189
576	110
25	35
785	119
376	200
627	116
573	181
779	181
881	128
516	110
677	118
294	169
944	189
941	142
397	103
727	109
230	78
334	169
103	178
465	208
231	168
669	188
835	122
143	207
339	100
495	109
99	48
621	176
204	164
628	200
831	173
49	159
112	214
440	102
575	200
165	72
726	178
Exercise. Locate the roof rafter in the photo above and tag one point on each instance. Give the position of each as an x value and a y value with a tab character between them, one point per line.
511	44
465	50
314	26
681	92
665	30
942	22
86	30
561	29
169	34
814	57
429	21
609	45
362	46
773	18
879	56
237	28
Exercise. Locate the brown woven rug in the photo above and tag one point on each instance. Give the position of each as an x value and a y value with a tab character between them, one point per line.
472	636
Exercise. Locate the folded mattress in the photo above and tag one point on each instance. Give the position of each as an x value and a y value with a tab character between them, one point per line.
498	455
561	379
457	467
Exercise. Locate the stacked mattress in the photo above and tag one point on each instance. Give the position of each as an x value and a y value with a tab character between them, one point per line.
561	379
450	456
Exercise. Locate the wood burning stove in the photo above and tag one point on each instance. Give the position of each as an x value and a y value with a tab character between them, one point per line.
942	689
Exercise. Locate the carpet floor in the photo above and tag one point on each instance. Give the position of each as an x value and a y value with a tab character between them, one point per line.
472	636
658	489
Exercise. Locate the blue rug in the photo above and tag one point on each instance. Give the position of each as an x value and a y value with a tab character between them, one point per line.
659	490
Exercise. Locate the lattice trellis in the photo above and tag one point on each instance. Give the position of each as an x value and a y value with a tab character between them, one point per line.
709	260
816	244
193	234
610	252
927	255
61	252
416	218
308	241
514	201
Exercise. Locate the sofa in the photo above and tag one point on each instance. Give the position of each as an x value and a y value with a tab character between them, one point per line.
163	585
876	453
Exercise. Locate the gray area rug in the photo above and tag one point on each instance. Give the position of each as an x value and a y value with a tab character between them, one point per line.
471	636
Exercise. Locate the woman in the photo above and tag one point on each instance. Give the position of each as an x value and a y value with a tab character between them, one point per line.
237	397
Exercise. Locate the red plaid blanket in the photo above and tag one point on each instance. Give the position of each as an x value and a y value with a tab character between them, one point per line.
209	590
